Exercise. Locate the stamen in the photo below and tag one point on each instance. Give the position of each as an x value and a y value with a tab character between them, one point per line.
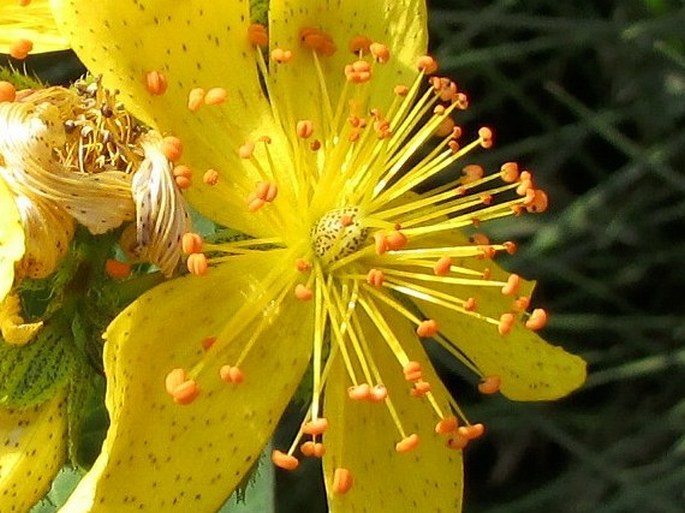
117	269
196	98
427	328
183	176
172	148
342	481
304	129
284	461
211	177
197	264
231	374
156	83
427	64
359	45
537	319
8	93
490	385
215	96
182	389
281	56
20	49
407	444
447	425
191	243
303	293
361	392
506	324
257	35
380	52
315	427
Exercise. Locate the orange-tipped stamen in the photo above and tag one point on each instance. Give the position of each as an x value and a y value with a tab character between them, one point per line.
117	269
8	93
284	461
537	319
197	264
490	385
342	481
407	444
156	83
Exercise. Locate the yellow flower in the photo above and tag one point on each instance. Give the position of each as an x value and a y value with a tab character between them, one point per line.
314	149
28	21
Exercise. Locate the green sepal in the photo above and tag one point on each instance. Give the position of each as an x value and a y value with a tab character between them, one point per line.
31	374
19	79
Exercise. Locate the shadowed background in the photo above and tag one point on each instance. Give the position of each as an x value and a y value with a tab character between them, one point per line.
591	96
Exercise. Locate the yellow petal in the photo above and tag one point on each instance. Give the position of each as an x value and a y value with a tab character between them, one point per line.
11	238
14	330
399	24
530	368
33	22
193	44
161	456
362	437
33	448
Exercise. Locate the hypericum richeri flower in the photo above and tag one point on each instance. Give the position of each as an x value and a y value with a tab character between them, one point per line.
325	149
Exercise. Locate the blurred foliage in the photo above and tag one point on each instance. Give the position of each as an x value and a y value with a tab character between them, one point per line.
591	96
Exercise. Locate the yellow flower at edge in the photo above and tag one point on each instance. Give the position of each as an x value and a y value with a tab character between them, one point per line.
28	26
310	146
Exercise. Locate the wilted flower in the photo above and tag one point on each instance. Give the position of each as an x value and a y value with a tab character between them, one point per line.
315	153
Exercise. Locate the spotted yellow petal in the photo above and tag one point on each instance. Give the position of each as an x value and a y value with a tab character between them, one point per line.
362	436
33	447
530	368
11	238
191	44
33	22
399	24
162	456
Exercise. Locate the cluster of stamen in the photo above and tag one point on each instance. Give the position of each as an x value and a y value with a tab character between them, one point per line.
373	244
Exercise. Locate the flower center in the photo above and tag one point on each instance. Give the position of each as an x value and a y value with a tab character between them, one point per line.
337	234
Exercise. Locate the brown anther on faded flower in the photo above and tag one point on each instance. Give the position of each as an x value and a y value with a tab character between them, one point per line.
156	83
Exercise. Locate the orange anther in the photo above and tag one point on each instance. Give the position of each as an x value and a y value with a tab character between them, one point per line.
303	265
380	52
509	172
24	3
156	83
172	148
445	128
446	425
342	481
539	203
359	45
401	90
266	191
315	427
186	392
21	48
506	323
254	203
117	269
183	176
304	129
303	293
319	450
462	102
231	374
307	449
281	56
8	93
512	286
470	304
487	272
375	277
407	444
358	72
427	64
457	442
427	328
208	342
521	303
472	173
246	150
378	393
490	385
412	368
173	379
284	461
420	388
395	240
211	177
442	266
257	35
215	96
380	242
471	432
360	392
196	98
485	135
197	264
488	251
265	139
510	247
191	243
480	239
454	148
315	145
537	319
